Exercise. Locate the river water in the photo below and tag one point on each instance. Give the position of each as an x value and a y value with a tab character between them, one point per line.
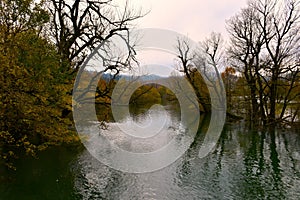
245	164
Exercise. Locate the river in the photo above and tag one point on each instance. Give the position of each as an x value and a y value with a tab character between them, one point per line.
245	164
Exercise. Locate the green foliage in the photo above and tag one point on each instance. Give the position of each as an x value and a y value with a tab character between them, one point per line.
146	95
33	90
21	15
33	95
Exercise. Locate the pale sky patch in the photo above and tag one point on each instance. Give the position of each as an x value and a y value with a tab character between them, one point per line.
194	18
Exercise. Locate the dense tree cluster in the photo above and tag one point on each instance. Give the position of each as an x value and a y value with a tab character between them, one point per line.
42	45
265	49
262	80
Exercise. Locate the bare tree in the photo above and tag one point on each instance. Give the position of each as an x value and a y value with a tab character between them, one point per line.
201	67
280	25
80	26
264	44
244	52
209	59
186	56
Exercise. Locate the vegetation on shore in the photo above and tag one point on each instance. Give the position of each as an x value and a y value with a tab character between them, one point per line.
44	44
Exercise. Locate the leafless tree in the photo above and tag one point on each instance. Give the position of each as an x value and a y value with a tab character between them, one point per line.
201	67
264	44
209	61
81	27
244	52
186	56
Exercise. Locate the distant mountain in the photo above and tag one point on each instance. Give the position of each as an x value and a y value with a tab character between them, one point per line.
149	77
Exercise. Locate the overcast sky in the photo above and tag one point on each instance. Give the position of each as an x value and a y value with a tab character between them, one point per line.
195	18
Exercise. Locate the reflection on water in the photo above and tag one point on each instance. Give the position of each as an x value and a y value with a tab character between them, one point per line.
245	164
146	144
143	132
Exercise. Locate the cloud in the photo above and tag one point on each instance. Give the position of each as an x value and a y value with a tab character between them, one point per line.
195	18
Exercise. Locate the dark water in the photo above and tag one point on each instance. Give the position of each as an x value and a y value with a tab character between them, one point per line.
245	164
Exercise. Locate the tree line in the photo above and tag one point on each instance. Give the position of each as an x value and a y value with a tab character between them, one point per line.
43	45
262	59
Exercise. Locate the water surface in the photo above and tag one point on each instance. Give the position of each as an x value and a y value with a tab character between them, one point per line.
245	164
